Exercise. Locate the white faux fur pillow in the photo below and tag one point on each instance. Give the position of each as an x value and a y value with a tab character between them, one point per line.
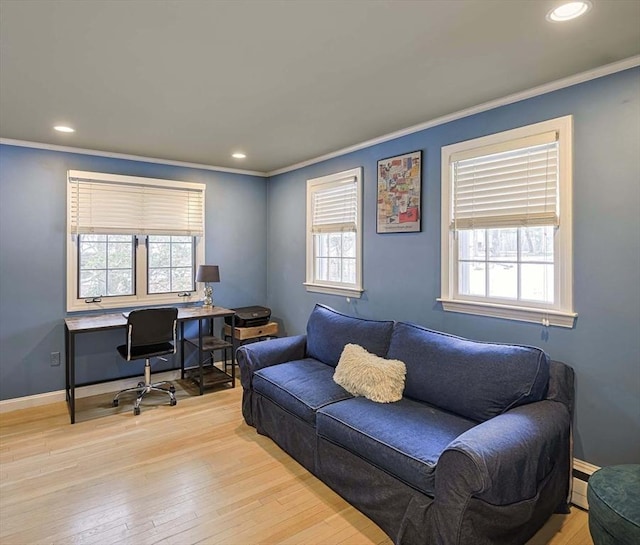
364	374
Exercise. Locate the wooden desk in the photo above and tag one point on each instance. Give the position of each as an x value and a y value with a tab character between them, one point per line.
114	320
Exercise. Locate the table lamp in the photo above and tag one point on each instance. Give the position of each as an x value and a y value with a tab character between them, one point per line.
207	274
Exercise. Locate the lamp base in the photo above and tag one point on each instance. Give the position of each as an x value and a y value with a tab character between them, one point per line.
207	301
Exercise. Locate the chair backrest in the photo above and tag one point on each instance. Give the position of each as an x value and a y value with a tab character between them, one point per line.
151	326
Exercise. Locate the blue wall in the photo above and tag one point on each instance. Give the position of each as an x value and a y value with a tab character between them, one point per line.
246	216
33	261
402	271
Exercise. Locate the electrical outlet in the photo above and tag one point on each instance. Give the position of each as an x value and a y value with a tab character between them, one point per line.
55	359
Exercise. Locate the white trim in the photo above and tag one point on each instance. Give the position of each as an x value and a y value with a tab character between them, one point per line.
140	297
576	79
86	175
46	398
17	403
561	313
502	140
334	290
507	312
75	304
127	156
584	467
579	492
314	184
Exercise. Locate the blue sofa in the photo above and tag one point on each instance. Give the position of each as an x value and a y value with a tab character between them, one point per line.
478	450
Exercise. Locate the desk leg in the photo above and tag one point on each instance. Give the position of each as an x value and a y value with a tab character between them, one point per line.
70	373
200	354
233	351
182	350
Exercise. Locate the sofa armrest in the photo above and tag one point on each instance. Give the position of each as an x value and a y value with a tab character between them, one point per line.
561	380
503	461
255	356
516	450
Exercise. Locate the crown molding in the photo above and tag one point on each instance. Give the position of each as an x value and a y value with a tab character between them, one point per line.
128	157
595	73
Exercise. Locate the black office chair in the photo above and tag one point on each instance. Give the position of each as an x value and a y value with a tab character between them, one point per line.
151	333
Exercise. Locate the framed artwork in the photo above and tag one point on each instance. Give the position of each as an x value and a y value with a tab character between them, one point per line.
399	189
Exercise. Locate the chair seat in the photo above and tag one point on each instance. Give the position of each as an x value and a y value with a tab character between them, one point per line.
614	505
150	351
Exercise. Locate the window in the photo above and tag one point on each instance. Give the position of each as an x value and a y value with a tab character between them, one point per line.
506	225
133	241
334	240
171	264
106	265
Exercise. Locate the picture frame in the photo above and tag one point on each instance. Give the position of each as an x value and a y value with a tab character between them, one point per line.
399	204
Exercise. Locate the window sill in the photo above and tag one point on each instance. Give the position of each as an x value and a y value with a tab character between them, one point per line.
334	290
507	312
107	303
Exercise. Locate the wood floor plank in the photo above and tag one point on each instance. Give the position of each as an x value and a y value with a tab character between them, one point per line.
184	475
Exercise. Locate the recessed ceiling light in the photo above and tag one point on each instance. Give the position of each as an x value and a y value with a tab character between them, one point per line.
239	155
568	11
64	128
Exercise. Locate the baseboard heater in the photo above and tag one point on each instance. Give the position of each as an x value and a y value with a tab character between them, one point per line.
581	473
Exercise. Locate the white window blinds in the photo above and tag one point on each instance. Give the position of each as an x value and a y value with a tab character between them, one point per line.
110	204
335	207
506	185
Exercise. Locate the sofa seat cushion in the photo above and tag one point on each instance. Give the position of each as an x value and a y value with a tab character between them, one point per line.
328	332
404	438
474	379
300	387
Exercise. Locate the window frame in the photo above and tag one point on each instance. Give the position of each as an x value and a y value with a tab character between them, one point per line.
561	312
140	296
333	288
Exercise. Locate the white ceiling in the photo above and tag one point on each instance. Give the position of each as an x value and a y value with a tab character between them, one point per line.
283	81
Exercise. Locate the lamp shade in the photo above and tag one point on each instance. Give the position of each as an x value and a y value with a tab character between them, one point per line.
208	273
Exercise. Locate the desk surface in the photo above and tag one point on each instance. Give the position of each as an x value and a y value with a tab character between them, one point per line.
96	322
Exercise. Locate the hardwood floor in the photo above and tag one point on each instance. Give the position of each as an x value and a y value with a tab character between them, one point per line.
193	473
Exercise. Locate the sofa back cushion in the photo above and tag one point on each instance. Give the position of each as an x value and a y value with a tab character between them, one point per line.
475	379
329	331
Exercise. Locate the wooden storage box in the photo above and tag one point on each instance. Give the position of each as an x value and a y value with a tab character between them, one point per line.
245	333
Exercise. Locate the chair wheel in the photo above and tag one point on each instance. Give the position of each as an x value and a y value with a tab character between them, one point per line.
114	403
140	385
173	402
136	411
172	389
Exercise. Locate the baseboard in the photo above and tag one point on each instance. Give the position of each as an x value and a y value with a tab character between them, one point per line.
581	472
15	404
37	400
